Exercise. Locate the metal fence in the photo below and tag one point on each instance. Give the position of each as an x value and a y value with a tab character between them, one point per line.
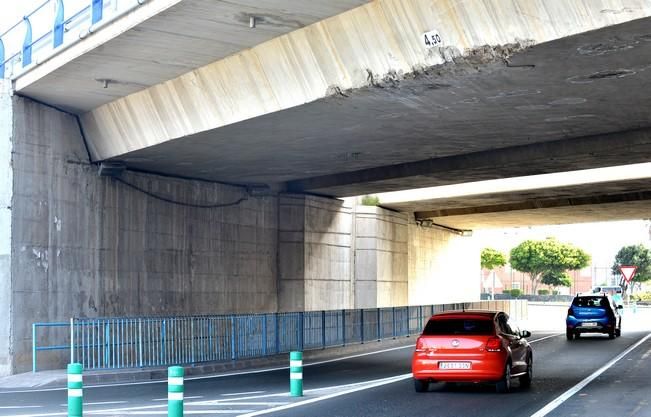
52	27
141	342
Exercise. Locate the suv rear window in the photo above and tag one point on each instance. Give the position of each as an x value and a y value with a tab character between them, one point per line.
458	326
598	301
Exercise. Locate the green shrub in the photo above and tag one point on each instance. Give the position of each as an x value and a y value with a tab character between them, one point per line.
642	296
543	292
516	292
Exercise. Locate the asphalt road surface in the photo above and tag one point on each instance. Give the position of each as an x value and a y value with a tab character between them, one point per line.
613	378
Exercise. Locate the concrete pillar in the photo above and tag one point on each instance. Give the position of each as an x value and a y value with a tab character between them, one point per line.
6	195
380	257
313	253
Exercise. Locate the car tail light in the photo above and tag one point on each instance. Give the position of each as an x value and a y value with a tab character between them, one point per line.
419	346
493	344
570	312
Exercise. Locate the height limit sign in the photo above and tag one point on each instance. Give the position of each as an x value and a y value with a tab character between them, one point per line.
628	272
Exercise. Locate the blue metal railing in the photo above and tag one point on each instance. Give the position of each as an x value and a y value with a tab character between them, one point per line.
140	342
54	30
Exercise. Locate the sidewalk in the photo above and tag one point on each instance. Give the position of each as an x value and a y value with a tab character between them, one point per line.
58	378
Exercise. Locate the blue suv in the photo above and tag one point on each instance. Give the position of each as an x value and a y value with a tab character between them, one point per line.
593	313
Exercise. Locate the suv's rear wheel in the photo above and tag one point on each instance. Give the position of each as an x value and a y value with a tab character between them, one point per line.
611	334
421	385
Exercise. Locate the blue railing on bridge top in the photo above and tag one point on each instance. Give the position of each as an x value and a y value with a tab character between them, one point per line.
140	342
52	27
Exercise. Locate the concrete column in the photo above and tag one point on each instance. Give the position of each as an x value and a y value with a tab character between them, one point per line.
314	253
6	195
380	257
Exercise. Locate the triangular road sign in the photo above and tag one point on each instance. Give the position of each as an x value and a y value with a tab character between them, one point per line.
628	272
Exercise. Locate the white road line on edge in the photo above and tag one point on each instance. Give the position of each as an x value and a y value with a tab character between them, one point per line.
578	387
377	383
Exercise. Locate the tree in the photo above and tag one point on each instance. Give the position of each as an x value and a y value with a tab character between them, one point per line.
491	259
634	255
537	257
556	279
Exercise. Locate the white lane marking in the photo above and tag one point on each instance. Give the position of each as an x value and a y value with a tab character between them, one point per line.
242	393
235	402
8	407
546	337
578	387
99	403
196	397
185	412
377	383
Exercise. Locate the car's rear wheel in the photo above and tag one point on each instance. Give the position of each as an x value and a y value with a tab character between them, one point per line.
421	385
569	334
611	334
504	384
525	380
618	331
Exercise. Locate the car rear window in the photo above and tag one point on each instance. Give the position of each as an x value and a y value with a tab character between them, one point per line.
590	302
458	326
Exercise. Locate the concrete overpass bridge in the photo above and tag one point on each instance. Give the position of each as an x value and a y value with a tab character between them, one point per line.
238	121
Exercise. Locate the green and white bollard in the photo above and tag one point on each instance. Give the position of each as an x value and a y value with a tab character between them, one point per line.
175	391
75	390
296	374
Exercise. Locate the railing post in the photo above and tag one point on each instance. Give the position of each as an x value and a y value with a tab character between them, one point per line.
361	320
72	340
75	390
393	313
323	329
140	341
343	327
163	331
277	335
233	354
379	325
27	43
301	327
33	346
96	12
264	335
57	31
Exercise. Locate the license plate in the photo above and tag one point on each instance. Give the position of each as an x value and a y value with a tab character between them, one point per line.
589	324
454	365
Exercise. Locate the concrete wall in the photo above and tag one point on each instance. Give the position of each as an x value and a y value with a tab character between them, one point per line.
380	258
314	253
76	244
88	246
6	193
444	267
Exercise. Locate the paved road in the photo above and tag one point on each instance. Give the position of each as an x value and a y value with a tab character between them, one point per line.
380	385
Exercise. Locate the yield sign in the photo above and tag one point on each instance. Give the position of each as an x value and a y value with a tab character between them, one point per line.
628	272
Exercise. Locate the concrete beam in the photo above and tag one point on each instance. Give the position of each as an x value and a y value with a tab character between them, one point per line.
355	49
539	158
538	204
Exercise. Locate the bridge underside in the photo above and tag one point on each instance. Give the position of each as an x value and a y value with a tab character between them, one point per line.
356	104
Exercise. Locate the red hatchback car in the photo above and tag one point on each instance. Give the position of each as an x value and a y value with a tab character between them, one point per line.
472	346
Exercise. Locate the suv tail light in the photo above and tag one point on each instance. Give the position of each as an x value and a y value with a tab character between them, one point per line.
494	344
570	312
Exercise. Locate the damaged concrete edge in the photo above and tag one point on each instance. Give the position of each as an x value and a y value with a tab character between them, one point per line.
486	58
